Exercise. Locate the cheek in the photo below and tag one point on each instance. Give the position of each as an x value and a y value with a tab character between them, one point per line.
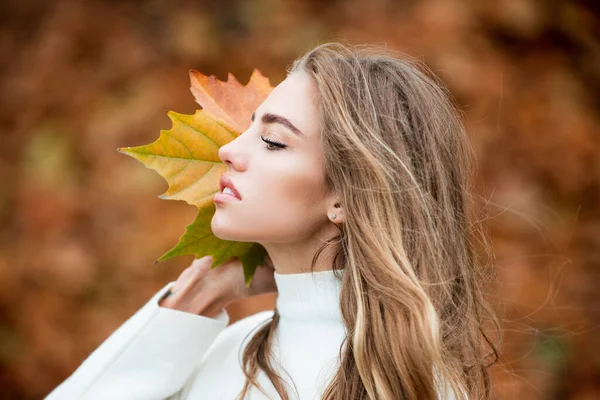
291	191
296	190
284	203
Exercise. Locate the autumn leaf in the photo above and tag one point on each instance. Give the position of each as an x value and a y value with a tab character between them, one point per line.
186	156
236	112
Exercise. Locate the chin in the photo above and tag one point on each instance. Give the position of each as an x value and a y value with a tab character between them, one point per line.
226	231
219	229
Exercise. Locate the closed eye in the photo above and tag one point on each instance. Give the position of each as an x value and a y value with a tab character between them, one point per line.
278	146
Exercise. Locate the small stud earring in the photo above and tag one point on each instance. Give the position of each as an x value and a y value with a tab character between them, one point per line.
333	216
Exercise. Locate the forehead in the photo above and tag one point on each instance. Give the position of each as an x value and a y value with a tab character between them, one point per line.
295	99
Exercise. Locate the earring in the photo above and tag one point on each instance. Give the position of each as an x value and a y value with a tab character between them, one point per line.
333	216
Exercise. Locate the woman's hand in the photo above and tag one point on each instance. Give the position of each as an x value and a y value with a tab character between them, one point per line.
205	291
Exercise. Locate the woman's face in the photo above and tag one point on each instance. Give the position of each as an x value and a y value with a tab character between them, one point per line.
281	188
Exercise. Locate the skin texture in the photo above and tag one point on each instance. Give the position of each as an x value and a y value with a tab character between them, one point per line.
205	291
284	204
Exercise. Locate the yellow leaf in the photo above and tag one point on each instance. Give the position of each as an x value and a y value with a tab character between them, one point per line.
186	156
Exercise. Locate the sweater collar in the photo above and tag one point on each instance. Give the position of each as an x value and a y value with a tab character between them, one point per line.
309	296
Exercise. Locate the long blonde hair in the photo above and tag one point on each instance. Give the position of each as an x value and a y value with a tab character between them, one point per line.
413	247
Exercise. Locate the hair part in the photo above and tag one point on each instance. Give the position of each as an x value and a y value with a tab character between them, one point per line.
413	246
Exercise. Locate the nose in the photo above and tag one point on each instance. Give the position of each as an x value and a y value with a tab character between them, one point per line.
231	156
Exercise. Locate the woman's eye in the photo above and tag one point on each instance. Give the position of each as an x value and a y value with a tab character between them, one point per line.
273	145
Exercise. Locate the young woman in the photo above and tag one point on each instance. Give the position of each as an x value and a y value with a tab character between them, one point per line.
355	175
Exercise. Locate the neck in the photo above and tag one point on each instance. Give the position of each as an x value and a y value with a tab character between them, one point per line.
294	258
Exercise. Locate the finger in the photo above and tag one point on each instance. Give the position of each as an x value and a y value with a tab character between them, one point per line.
201	265
202	262
191	273
183	278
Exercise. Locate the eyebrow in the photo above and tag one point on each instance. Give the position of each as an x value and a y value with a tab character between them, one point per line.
269	118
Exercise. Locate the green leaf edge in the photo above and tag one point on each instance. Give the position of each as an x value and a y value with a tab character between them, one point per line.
250	259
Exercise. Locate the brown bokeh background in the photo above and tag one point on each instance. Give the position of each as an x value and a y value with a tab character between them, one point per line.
81	224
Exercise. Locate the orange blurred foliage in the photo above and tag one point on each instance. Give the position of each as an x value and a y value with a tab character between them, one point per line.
80	79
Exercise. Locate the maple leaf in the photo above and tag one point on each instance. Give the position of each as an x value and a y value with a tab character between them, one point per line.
186	156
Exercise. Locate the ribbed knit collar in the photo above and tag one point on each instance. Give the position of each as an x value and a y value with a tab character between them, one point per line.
310	296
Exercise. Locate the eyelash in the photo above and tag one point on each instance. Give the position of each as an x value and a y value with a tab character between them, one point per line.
279	146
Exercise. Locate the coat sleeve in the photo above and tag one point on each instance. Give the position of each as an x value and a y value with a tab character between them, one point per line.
149	357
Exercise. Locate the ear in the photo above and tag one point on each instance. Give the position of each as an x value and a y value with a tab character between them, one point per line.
335	212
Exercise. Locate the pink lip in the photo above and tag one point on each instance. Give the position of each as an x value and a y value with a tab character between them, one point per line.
224	182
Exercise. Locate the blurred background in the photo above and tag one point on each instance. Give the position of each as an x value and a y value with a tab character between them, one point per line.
81	224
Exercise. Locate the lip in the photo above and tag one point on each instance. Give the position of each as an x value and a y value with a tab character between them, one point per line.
224	182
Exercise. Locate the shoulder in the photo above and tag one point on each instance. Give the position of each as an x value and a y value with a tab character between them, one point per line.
235	333
223	359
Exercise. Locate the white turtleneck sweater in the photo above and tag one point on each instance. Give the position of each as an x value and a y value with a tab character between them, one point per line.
164	354
161	353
